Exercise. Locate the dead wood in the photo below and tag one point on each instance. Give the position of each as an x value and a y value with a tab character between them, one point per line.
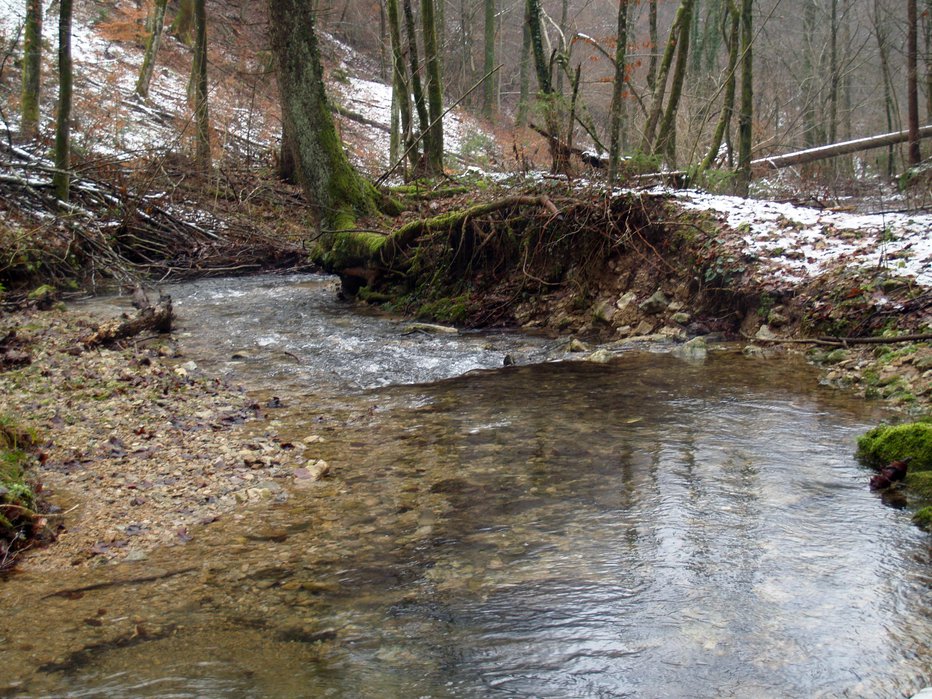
156	318
406	236
842	341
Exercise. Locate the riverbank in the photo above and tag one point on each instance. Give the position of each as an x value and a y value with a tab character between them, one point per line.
134	446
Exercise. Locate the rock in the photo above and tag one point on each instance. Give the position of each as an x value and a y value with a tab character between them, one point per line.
577	345
695	350
753	351
672	331
775	319
657	303
430	328
626	300
835	356
600	356
644	328
681	318
603	311
136	555
624	330
675	306
765	333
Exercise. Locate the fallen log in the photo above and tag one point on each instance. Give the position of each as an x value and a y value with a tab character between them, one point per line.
832	150
156	318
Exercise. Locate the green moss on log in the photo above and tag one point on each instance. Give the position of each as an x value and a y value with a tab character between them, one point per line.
887	443
352	249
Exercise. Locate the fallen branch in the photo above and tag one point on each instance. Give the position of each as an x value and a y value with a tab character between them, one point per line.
842	341
156	318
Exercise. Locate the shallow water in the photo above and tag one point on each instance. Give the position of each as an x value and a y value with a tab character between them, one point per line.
643	528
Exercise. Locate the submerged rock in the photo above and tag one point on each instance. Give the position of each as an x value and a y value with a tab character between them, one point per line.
695	350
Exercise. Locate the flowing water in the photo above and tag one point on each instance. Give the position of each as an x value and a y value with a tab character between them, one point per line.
648	527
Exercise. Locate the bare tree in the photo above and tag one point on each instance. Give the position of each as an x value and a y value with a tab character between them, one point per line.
32	68
62	177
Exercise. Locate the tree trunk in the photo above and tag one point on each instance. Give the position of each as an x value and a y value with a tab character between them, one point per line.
912	80
415	62
434	145
660	83
666	139
335	189
488	89
745	116
728	102
928	25
524	79
287	166
835	149
62	177
183	25
199	74
833	75
32	68
401	95
880	32
152	49
618	91
654	45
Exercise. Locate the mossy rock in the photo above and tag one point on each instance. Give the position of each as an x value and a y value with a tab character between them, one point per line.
887	443
923	518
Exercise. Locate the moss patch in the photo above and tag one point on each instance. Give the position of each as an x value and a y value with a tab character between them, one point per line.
887	443
19	520
923	518
920	485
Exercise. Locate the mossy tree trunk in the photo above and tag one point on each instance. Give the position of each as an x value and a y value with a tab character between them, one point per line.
414	61
199	79
400	92
152	49
618	91
32	68
728	102
746	113
660	82
183	25
666	138
912	81
332	185
434	145
550	101
654	44
62	177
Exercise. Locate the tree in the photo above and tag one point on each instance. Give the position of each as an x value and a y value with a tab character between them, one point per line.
488	90
728	102
32	68
199	81
336	190
183	23
746	110
401	96
912	80
621	45
152	49
62	177
434	146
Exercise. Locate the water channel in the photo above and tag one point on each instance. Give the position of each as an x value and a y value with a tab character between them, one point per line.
649	527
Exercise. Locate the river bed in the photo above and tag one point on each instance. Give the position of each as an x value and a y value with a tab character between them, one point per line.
648	527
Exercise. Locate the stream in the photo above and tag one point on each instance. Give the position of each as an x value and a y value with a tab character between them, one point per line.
647	527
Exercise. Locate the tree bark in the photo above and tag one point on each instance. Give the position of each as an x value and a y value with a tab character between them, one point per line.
524	77
654	45
399	78
202	156
32	68
618	88
912	80
335	189
745	116
728	101
835	149
434	146
488	89
152	49
660	83
183	24
666	139
415	62
62	177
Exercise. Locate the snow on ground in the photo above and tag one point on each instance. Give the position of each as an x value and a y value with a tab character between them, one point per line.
795	242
